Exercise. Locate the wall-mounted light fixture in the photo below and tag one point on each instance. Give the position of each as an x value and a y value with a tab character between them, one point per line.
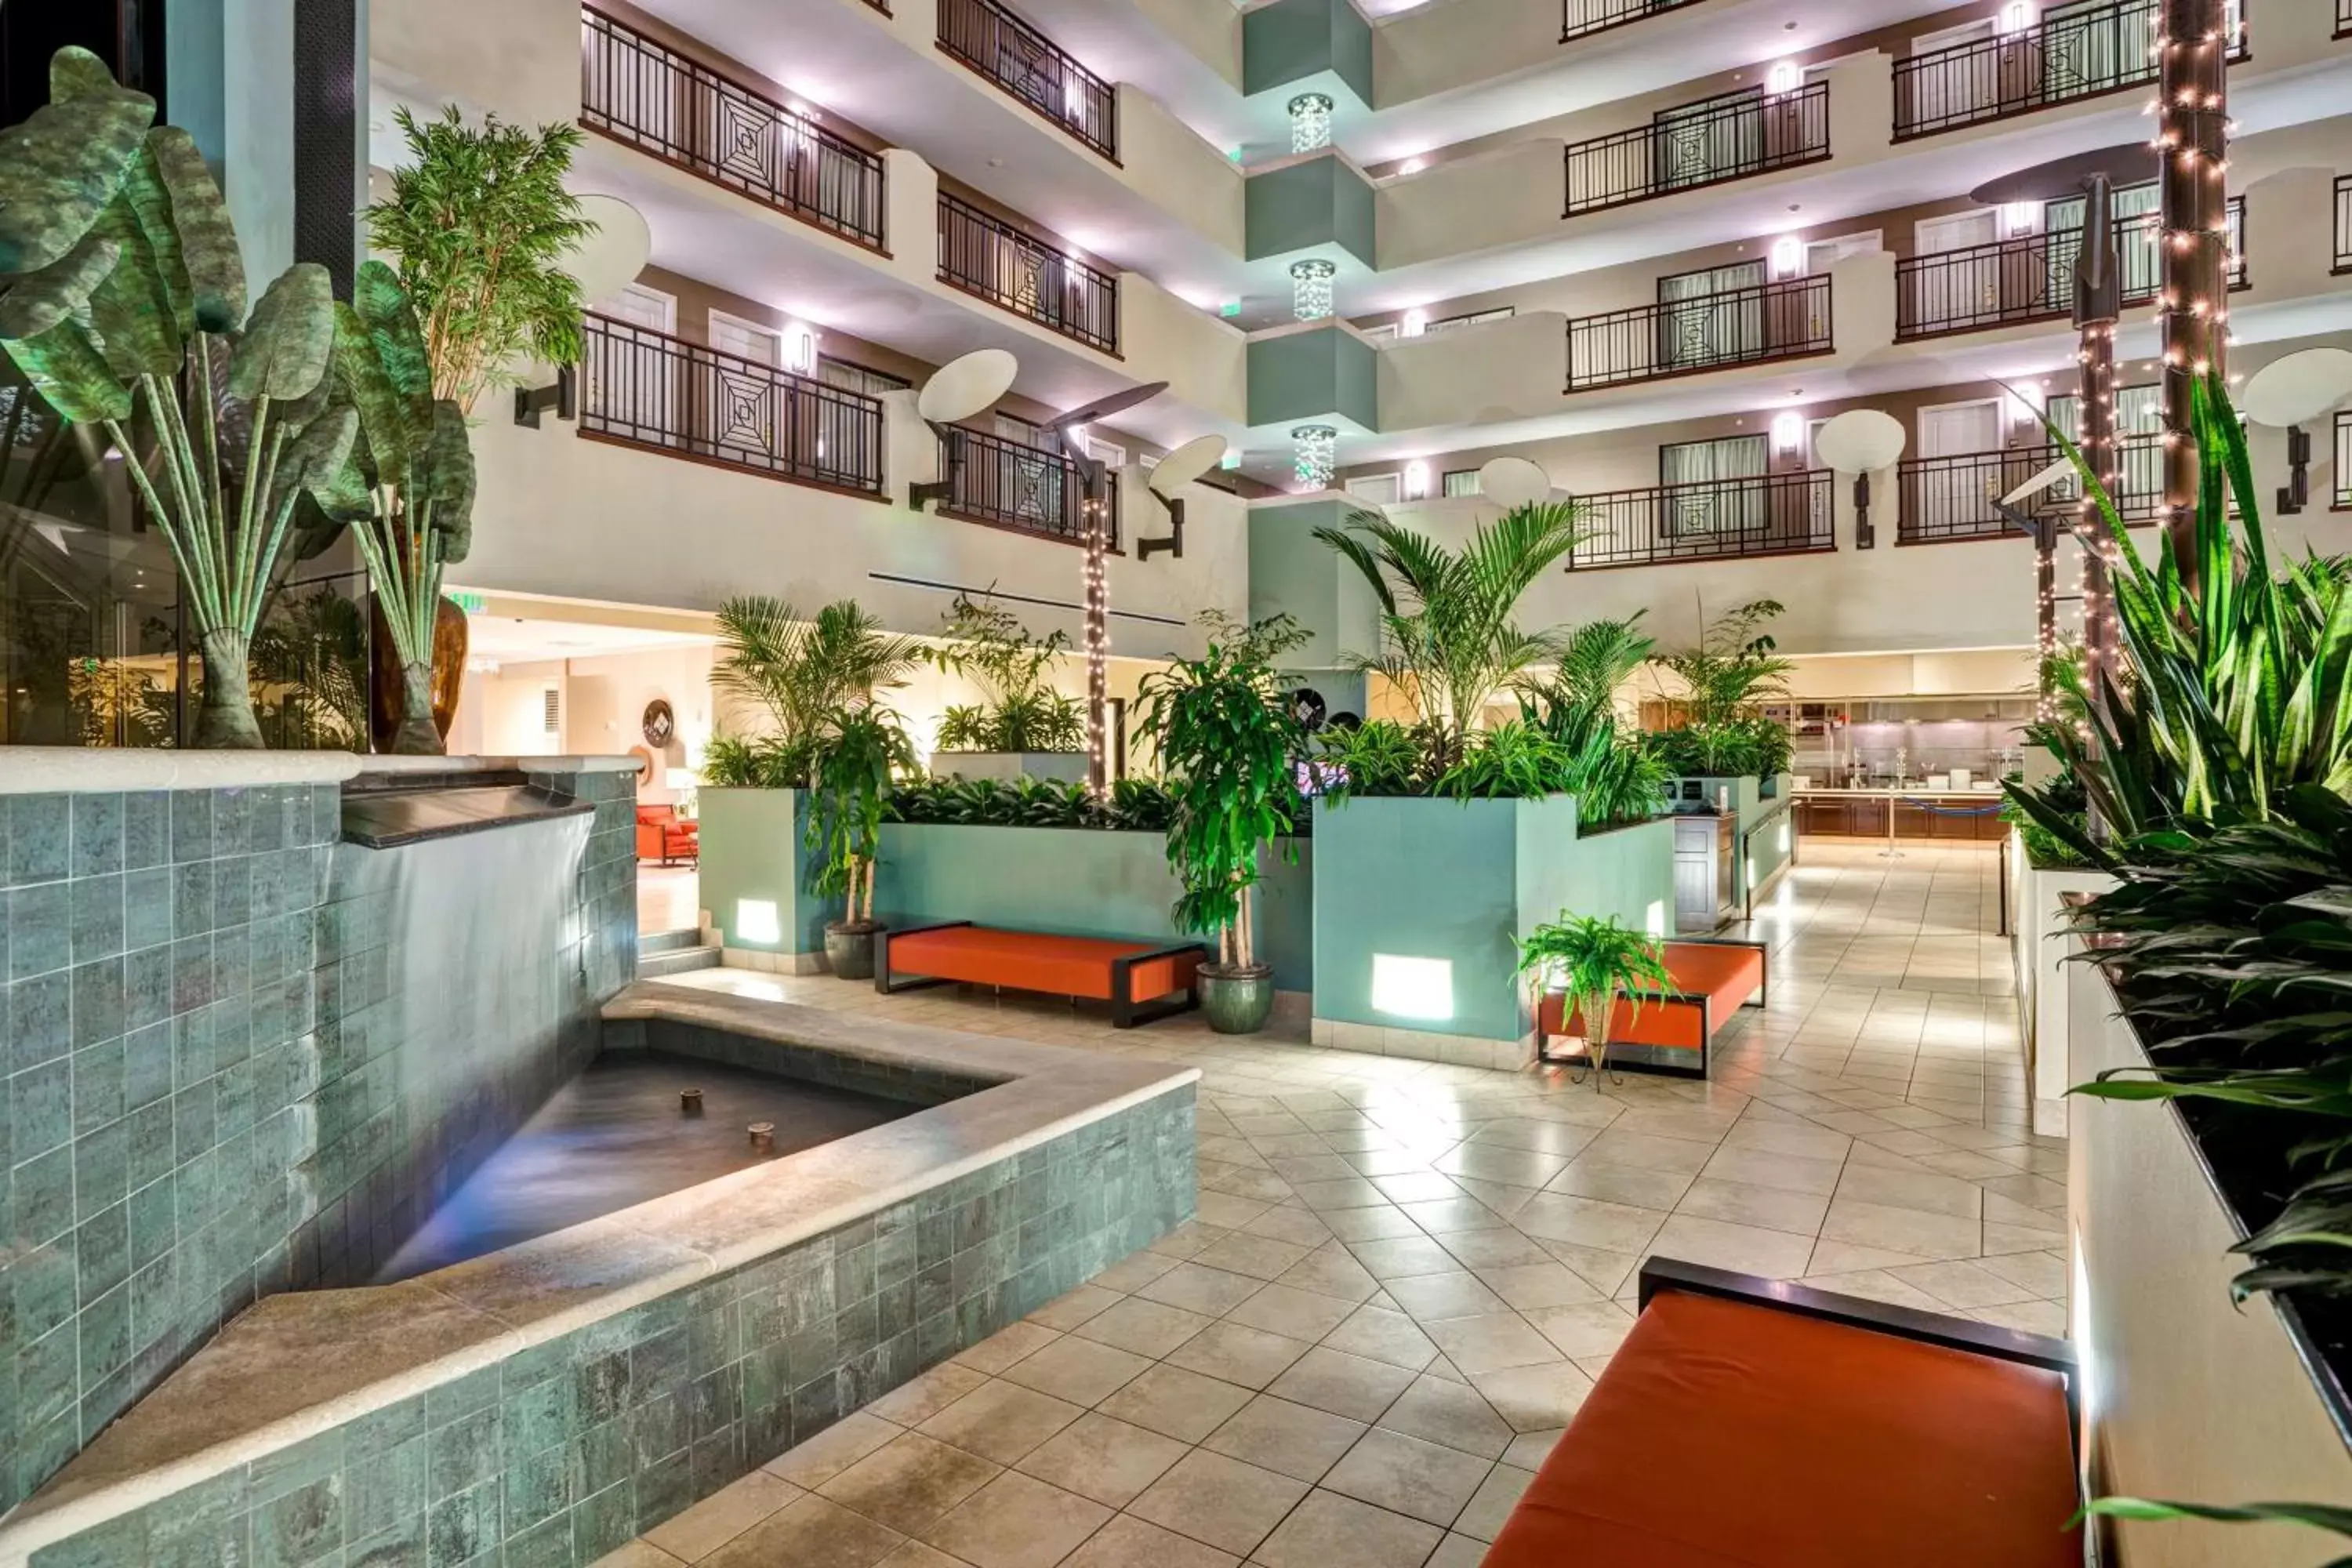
1787	431
1313	455
1310	123
1784	77
801	343
1415	322
1788	255
1416	479
1310	289
2017	15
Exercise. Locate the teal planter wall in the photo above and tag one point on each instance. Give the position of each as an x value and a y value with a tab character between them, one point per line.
1299	206
1314	374
752	851
1078	882
1460	883
1293	572
1288	41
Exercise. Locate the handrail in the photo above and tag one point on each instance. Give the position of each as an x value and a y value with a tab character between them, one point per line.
1705	143
1948	499
1786	319
2065	58
1025	63
681	111
2030	276
1711	519
1581	18
647	388
1021	273
1009	484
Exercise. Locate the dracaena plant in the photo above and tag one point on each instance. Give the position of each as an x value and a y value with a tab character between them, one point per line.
1020	711
130	316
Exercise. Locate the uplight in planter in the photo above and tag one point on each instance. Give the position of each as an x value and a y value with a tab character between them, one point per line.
1413	988
756	920
1784	837
1653	919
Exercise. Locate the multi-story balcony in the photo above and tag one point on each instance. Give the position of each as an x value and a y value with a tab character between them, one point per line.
2080	53
1731	136
658	101
1948	499
1008	484
1579	17
1028	64
1016	271
2030	276
645	388
1714	519
1787	318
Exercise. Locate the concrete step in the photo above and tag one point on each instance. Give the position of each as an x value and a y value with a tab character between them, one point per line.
668	940
675	960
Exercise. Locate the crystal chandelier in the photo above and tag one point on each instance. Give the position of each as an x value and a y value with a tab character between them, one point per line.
1310	289
1310	123
1313	455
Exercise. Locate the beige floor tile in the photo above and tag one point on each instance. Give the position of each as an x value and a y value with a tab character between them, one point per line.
1528	1450
1399	1257
835	1449
908	1482
1429	1297
1534	1398
1210	1291
1000	1421
1067	1311
1458	1551
1221	1503
1591	1328
1929	1191
1405	1474
1588	1177
1082	1371
1176	1402
1237	1353
1960	1284
1291	1312
1452	1414
1008	1345
1259	1257
1484	1516
812	1532
1491	1342
1479	1250
1343	1385
1766	1208
1588	1221
1295	1440
1017	1522
638	1553
1368	1222
1131	1542
1378	1333
916	1400
1328	1529
1331	1271
1098	1457
1142	1328
722	1516
1923	1234
915	1554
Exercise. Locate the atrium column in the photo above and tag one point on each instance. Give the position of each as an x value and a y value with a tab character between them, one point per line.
2192	139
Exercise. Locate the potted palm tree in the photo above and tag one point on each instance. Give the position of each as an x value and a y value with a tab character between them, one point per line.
1593	961
1229	746
857	754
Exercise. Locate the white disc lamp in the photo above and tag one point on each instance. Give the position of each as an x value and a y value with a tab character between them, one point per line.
957	390
2289	393
1859	443
1514	482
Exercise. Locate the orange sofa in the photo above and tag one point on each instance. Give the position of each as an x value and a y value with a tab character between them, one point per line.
1140	979
1713	978
664	835
1749	1423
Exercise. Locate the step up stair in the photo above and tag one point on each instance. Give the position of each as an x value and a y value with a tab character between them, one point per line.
673	953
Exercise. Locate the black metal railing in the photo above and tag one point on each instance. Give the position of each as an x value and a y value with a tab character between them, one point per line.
2343	219
1784	320
1025	63
2343	18
649	389
2075	55
2030	276
1727	136
1945	499
1579	17
654	98
2342	498
1714	519
1009	485
1026	275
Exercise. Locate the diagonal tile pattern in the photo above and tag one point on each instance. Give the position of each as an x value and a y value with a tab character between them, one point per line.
1403	1277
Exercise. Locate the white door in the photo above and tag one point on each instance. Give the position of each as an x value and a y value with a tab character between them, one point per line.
1958	84
745	340
1953	429
1962	287
1951	496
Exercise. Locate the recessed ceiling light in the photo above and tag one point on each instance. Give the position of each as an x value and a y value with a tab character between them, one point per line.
1794	205
1787	26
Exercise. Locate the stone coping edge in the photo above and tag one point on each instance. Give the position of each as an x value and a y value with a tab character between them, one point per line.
494	764
1068	1089
94	770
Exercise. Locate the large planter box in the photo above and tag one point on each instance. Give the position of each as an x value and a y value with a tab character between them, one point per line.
1081	882
2037	945
1419	904
755	872
2189	1396
1005	767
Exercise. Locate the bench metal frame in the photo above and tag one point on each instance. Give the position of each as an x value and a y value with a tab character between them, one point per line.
1125	1012
1699	1000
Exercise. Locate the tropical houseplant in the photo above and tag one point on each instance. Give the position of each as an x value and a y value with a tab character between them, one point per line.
1725	677
144	313
1229	744
1020	713
800	672
1593	961
859	753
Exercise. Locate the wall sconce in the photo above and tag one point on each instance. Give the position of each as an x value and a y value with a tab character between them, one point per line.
1411	167
800	348
1416	479
1315	453
1310	123
1310	289
1415	322
2019	408
1788	255
1787	431
2020	217
1784	77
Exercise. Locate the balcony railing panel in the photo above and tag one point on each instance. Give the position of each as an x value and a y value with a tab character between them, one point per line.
1716	520
1727	136
2030	276
649	389
1025	275
635	90
1949	498
1782	319
2074	54
1581	17
2343	219
1009	485
1025	63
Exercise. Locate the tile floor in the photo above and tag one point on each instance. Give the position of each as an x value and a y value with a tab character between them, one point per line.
1403	1277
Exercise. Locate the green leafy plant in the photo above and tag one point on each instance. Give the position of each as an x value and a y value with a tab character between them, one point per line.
481	224
1450	635
1020	711
1593	959
2315	1516
144	311
1602	761
758	761
859	755
800	672
1133	805
1378	757
1725	677
1224	731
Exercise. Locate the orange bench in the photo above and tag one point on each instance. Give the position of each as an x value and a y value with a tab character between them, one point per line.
1713	978
1136	978
1747	1423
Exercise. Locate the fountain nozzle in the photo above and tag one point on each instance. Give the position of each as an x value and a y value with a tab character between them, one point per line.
689	1101
763	1134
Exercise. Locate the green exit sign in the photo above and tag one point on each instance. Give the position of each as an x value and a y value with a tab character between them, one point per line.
465	599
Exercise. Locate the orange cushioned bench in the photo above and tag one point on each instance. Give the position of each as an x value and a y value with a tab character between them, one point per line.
1713	978
1140	981
1747	1423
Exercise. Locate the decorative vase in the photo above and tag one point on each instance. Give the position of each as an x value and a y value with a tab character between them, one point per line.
1596	1013
849	948
1236	1000
390	700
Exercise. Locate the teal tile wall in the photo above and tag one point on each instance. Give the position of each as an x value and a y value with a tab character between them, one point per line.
560	1454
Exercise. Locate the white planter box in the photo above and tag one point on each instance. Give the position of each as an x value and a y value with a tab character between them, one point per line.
2037	930
1005	767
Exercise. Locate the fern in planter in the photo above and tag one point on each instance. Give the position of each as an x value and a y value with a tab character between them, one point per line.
1593	960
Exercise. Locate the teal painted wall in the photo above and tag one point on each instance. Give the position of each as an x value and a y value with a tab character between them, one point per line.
1314	374
1293	572
1290	40
1322	201
1625	873
1078	882
752	848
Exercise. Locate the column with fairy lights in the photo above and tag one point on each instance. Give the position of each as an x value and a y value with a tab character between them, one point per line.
1097	640
2193	39
2098	301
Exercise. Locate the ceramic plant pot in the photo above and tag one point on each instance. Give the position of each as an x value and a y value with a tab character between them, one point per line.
849	948
1237	1001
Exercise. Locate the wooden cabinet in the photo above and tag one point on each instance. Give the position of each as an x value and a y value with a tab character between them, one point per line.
1864	816
1842	815
1705	849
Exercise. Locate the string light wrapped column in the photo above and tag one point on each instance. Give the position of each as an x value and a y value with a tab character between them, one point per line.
2192	47
1096	643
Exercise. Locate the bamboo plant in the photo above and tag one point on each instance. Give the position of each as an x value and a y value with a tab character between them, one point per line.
140	323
